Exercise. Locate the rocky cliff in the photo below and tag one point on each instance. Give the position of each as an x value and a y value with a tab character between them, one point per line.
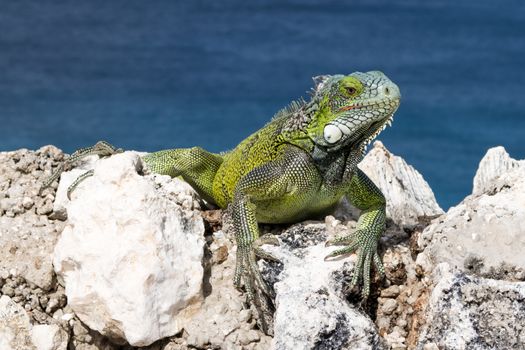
138	261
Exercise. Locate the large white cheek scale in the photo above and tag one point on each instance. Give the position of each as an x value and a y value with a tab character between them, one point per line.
332	133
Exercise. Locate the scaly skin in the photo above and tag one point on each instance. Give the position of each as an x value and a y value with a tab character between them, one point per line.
298	166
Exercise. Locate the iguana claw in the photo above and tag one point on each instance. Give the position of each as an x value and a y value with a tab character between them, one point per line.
258	293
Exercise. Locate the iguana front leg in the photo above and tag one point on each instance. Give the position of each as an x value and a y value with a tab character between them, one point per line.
196	166
364	195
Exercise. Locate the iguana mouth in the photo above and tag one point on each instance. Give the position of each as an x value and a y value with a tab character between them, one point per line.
376	128
358	132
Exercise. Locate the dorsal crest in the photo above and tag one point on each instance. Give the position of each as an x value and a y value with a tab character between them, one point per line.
293	108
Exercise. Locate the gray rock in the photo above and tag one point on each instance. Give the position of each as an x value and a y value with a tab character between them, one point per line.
390	292
15	328
466	312
66	179
312	312
482	239
49	337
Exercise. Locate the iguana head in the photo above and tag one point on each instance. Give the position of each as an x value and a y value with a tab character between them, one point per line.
351	110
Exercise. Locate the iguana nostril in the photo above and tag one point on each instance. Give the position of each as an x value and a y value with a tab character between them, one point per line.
390	90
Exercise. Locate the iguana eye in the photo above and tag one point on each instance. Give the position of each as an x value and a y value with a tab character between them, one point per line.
351	90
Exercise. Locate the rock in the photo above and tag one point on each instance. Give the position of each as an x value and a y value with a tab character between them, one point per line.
408	196
474	255
14	326
16	331
390	292
221	321
85	339
400	305
122	270
312	312
495	163
130	255
7	290
66	179
485	233
49	337
27	235
466	312
389	306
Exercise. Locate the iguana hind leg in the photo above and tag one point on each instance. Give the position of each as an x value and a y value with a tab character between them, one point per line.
196	166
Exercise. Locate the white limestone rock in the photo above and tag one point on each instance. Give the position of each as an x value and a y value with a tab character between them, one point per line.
408	195
17	332
311	309
485	233
495	163
14	326
130	254
66	179
49	337
466	312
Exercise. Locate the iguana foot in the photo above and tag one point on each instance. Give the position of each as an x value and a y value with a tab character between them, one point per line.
258	293
260	253
364	242
101	148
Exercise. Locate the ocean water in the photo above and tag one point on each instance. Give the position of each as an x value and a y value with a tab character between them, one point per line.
164	74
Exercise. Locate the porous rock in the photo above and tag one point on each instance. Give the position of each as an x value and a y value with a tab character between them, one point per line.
49	337
222	321
17	332
312	312
27	234
466	312
130	254
485	233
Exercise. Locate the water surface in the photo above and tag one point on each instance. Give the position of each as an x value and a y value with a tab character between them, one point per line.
153	75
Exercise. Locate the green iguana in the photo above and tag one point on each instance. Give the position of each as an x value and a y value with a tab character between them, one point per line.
297	166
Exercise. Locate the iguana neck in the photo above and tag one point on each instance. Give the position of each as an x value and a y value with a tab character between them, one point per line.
334	166
337	167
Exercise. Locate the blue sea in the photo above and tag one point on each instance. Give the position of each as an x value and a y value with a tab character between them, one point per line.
151	75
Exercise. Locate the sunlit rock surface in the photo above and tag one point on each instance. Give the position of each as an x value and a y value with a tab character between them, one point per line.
129	256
